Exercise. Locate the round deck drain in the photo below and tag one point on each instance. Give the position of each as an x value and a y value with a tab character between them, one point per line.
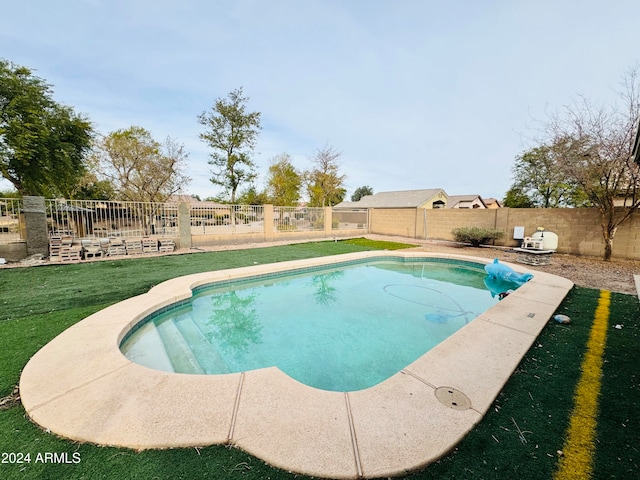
453	398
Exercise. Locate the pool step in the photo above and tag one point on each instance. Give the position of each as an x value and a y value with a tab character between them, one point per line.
181	356
207	356
149	349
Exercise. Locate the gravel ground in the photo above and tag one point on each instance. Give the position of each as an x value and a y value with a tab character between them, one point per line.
615	275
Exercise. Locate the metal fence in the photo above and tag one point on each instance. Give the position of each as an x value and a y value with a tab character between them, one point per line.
90	219
351	219
110	219
209	218
10	220
296	219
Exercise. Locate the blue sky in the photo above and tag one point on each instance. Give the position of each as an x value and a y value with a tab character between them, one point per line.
414	93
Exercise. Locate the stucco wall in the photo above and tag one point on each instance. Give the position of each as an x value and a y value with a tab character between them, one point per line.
14	251
241	239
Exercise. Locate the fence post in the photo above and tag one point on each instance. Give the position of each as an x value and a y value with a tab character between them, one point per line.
268	222
35	223
328	221
184	225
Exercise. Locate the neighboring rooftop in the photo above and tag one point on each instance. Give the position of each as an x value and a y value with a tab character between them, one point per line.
399	199
466	201
492	202
193	201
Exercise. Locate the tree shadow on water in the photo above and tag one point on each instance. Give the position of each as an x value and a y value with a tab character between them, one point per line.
234	322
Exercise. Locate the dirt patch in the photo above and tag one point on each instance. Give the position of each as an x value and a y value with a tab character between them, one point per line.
11	400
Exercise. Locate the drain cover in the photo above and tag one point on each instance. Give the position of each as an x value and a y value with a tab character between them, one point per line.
453	398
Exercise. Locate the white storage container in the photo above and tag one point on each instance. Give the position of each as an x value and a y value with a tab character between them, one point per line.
549	240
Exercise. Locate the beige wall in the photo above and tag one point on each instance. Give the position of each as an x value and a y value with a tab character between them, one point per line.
438	197
578	229
270	234
246	238
13	251
406	222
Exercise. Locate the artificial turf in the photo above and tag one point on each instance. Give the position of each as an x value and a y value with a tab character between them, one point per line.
519	437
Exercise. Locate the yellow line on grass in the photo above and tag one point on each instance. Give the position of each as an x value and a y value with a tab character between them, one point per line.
579	447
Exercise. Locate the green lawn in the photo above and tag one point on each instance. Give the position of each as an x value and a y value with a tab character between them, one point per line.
518	438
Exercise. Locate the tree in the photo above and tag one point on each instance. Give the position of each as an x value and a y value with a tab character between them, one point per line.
516	198
232	133
251	196
284	181
540	177
43	144
594	144
90	187
140	168
361	192
324	183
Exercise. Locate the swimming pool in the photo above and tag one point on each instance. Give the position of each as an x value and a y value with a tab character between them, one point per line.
343	328
80	386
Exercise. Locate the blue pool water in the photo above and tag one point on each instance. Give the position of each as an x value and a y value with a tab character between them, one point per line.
341	329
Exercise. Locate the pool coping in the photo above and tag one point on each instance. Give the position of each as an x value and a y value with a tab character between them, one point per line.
81	387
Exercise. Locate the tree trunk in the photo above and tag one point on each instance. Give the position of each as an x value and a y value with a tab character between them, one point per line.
608	245
608	233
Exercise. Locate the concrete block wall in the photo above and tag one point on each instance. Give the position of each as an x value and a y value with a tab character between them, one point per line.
397	221
579	230
440	222
627	240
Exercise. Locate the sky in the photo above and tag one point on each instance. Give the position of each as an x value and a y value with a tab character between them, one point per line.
413	93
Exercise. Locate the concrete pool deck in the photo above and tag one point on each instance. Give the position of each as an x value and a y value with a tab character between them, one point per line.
81	386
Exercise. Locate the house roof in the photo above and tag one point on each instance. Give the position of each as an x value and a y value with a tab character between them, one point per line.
63	207
400	199
182	199
456	199
194	202
491	201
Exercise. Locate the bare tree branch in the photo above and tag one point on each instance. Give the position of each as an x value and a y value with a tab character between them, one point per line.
593	144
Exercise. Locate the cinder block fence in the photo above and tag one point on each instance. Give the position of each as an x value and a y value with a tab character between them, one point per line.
579	230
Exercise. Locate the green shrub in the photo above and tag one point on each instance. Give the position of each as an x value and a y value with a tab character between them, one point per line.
476	236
